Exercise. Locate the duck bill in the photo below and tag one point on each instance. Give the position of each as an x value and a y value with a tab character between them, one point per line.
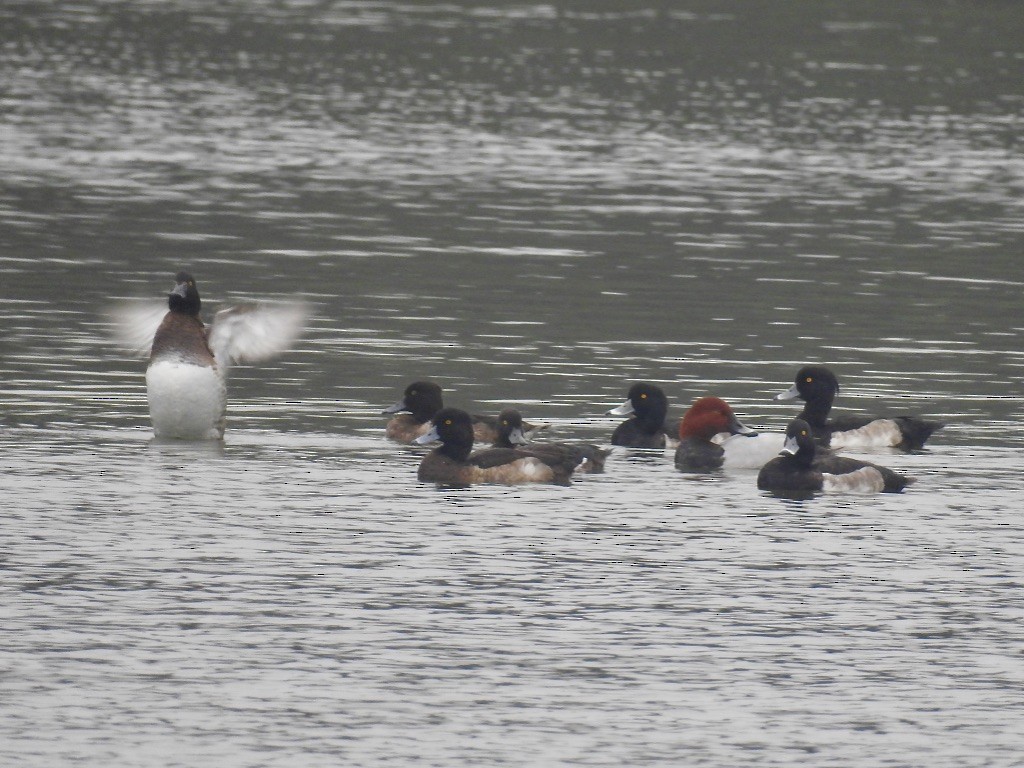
623	410
790	394
396	408
428	437
516	437
790	447
737	427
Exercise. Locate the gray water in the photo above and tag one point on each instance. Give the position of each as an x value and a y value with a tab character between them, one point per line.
534	205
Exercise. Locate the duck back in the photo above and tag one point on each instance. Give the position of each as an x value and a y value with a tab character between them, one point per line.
631	434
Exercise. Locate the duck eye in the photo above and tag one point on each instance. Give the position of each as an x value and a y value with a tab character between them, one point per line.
504	422
447	422
803	433
643	397
809	379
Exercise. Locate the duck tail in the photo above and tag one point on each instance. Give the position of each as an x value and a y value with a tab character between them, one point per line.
916	431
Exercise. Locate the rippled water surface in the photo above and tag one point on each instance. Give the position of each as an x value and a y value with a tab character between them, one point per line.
533	205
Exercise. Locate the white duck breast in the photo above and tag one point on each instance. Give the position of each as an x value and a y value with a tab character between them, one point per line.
750	451
186	401
185	379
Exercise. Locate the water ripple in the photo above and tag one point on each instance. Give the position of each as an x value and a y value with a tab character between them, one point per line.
534	206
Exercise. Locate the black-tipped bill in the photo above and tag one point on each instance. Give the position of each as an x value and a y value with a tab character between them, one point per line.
623	410
790	394
428	437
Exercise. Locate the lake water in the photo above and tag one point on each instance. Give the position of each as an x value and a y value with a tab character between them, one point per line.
533	205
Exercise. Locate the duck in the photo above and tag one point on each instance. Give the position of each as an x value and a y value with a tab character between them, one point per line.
420	402
743	448
803	466
186	374
454	464
817	386
590	459
647	407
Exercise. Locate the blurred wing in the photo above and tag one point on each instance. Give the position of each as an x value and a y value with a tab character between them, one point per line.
250	333
134	323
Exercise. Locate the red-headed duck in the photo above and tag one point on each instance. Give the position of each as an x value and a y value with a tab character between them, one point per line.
707	417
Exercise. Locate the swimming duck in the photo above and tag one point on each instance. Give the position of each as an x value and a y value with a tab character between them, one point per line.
454	463
511	434
188	361
647	407
802	466
817	386
419	403
711	416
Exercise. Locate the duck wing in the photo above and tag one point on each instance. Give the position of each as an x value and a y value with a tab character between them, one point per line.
494	457
250	333
133	324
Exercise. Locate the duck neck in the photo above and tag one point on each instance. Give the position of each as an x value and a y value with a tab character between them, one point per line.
456	451
184	299
651	422
804	457
816	411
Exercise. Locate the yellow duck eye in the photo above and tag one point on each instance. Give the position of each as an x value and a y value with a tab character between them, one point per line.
448	422
643	397
809	379
504	422
803	433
